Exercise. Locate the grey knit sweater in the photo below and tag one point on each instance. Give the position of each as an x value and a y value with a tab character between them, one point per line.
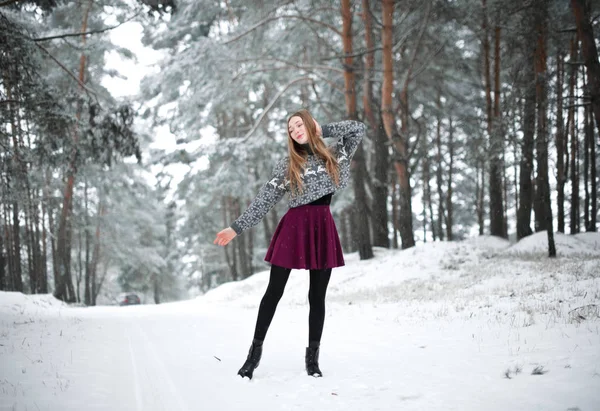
315	179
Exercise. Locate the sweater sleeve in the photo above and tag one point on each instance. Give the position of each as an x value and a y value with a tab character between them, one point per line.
269	195
348	133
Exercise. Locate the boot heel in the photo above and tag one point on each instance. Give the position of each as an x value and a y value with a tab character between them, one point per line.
252	362
312	362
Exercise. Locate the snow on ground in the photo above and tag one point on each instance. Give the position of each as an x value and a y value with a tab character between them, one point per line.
442	326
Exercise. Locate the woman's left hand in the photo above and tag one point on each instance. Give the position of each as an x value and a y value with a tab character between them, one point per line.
224	236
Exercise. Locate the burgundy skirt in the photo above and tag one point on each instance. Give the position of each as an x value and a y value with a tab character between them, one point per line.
306	238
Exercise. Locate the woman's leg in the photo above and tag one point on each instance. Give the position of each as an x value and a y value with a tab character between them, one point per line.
319	279
266	311
277	281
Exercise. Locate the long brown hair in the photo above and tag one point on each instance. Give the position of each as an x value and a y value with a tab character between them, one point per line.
298	156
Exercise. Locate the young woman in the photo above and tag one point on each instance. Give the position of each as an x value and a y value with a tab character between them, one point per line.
306	237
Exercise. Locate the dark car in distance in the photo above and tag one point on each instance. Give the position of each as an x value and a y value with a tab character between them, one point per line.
129	299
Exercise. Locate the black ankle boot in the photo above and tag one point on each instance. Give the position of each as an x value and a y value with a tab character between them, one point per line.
312	362
252	361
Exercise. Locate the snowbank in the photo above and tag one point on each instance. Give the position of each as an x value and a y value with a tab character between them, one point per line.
20	304
536	245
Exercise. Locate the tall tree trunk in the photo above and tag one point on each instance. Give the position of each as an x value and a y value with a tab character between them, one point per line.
156	288
51	230
427	192
380	190
2	263
5	247
97	287
588	133
590	157
10	280
96	251
31	216
64	289
379	212
593	180
499	137
574	214
488	107
365	248
497	225
81	270
368	105
449	207
560	144
480	194
17	276
394	210
44	253
516	155
581	9
40	263
543	184
231	259
400	141
438	172
30	253
87	284
19	177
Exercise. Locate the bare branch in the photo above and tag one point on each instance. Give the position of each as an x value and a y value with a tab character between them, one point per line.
310	67
429	59
269	19
357	54
266	110
418	46
261	70
62	36
569	30
577	105
320	102
290	63
8	3
11	101
88	90
331	83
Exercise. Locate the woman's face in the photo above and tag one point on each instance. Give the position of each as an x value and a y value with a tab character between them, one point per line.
298	130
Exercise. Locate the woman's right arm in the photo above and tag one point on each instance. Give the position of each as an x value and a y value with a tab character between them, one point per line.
269	195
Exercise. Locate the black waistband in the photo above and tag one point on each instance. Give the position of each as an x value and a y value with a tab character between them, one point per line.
325	200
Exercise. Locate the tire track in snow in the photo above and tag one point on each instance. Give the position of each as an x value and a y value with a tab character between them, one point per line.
178	402
139	402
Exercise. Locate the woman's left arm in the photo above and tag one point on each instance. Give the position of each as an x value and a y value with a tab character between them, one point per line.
348	133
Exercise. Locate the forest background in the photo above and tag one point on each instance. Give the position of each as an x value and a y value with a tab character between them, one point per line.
482	117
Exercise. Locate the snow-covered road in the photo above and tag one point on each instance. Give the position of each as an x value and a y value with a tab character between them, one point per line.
139	358
442	328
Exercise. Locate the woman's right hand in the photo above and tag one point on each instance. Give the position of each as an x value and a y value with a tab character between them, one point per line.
224	236
319	130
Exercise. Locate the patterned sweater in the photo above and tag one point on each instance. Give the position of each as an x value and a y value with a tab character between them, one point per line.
315	179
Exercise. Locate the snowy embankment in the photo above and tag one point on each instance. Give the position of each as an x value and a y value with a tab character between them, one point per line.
472	325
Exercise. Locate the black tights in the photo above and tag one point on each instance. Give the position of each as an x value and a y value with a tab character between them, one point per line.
319	279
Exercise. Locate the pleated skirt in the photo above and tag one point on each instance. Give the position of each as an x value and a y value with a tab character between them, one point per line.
306	238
